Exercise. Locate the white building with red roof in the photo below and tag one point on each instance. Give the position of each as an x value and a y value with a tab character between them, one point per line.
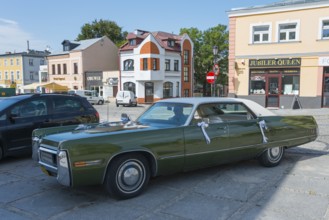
156	65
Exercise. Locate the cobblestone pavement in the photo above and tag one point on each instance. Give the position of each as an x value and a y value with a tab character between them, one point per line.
296	189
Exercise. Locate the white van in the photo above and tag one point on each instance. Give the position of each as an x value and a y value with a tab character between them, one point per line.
126	98
90	95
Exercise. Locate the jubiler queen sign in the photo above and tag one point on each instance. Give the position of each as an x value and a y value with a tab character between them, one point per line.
280	62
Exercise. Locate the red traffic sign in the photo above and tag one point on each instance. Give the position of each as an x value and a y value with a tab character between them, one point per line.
211	77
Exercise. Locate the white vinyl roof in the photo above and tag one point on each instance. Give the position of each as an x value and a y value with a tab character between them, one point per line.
255	107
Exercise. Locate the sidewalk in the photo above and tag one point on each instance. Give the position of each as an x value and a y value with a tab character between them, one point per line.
314	112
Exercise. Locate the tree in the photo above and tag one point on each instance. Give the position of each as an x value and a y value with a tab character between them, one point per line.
203	54
103	28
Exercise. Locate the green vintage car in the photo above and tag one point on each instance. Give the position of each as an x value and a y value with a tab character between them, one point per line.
172	135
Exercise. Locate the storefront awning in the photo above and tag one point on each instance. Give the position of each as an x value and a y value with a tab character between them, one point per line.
54	87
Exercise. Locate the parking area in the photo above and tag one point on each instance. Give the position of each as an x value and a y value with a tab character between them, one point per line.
296	189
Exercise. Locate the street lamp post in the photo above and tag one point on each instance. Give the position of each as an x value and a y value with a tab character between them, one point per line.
215	52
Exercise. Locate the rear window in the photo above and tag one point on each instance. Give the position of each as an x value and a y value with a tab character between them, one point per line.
67	104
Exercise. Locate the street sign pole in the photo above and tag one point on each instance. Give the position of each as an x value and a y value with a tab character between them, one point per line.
211	78
216	71
214	84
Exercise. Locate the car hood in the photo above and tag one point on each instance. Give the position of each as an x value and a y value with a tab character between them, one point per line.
81	132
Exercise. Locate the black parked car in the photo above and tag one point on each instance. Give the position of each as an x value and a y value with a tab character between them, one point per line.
20	115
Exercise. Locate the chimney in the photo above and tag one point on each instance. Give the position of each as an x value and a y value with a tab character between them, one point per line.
28	46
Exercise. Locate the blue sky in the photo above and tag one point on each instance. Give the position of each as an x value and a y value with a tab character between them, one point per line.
48	23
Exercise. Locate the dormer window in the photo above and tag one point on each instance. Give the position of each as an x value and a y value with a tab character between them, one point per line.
171	43
66	47
132	42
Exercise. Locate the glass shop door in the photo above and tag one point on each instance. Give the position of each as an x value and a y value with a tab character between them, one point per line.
273	89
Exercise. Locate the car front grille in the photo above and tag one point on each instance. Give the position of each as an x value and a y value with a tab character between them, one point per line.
48	157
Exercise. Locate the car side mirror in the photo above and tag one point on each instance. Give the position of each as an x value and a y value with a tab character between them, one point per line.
125	118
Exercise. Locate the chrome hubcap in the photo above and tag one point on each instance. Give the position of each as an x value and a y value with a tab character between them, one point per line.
275	152
130	176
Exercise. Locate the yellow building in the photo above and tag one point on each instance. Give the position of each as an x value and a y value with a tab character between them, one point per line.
11	69
20	69
279	54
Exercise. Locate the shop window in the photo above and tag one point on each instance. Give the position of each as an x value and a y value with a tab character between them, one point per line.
290	85
261	34
257	84
168	90
129	86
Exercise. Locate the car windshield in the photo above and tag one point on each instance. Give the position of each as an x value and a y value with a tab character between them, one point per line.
166	113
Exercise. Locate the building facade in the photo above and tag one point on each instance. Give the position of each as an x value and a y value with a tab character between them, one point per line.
20	69
81	63
279	54
156	65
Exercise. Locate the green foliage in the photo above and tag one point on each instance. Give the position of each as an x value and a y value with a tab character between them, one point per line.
103	28
204	58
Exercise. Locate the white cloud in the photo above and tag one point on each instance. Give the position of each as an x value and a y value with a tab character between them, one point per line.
14	39
5	21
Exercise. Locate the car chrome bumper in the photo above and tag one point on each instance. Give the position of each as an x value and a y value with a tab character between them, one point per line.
55	164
